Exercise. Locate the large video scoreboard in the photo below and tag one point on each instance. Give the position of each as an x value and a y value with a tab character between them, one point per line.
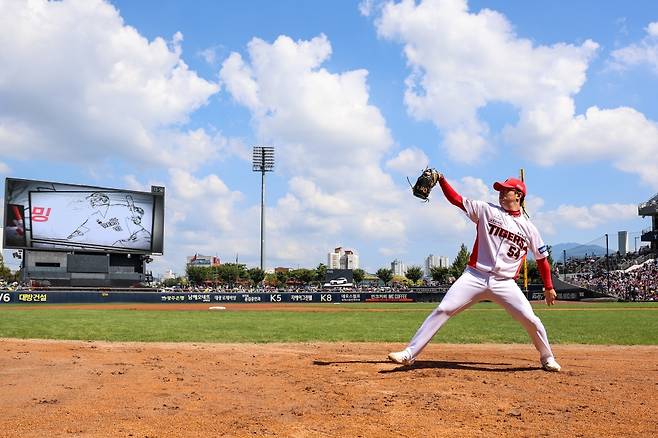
55	216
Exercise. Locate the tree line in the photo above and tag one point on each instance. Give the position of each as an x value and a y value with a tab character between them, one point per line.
235	274
6	274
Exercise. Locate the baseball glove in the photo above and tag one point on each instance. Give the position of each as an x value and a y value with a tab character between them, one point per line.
425	183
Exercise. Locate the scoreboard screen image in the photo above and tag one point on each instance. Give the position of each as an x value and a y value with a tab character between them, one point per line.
47	215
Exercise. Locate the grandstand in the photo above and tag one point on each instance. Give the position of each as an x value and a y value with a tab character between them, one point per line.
626	275
650	208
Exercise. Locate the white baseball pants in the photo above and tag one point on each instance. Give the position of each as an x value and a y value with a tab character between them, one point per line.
475	286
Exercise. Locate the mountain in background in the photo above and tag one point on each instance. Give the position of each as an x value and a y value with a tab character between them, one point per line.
575	250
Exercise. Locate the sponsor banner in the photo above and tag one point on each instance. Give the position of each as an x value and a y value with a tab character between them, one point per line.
390	297
350	297
562	296
22	297
213	297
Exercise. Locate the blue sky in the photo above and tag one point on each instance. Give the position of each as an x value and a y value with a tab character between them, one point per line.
354	96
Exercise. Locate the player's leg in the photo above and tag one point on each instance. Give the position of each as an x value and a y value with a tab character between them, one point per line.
466	291
508	294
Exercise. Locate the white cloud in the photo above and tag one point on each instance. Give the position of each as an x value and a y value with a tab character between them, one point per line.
316	199
475	188
332	144
410	162
187	186
329	140
203	215
77	84
316	119
623	136
643	52
583	217
212	54
238	79
365	7
132	183
460	61
209	55
4	168
390	252
652	29
383	225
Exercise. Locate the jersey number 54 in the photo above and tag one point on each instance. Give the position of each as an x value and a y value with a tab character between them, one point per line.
514	252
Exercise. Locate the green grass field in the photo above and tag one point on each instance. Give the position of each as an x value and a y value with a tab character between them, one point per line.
580	323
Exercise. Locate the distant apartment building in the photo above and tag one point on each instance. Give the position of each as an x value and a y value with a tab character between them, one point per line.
433	261
168	275
342	259
333	260
398	267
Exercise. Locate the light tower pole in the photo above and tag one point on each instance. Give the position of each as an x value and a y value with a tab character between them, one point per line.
263	161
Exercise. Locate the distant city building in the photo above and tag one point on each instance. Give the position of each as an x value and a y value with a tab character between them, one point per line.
168	275
398	267
281	269
350	260
623	242
433	261
333	260
201	260
342	259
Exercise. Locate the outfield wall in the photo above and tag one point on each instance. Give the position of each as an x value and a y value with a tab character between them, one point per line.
23	297
212	297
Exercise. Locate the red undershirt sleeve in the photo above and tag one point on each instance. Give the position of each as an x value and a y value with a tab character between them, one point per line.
545	272
451	195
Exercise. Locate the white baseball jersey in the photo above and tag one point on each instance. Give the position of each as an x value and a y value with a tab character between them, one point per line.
502	239
502	242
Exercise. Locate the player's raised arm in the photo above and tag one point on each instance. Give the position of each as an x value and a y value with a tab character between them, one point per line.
451	195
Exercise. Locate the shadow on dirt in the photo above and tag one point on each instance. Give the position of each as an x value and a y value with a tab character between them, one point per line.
337	362
450	365
436	364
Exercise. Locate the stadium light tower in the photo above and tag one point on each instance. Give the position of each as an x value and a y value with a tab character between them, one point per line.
263	161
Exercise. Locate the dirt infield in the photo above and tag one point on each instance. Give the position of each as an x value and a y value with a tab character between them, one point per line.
75	388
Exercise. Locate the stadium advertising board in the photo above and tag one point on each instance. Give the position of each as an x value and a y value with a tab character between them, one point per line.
55	216
339	278
45	296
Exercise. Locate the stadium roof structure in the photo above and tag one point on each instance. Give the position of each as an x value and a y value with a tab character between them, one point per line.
649	208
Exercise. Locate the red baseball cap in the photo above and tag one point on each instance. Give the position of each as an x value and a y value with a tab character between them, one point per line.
511	183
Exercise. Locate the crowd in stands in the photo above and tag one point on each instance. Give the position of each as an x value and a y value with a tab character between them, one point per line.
590	263
638	282
289	289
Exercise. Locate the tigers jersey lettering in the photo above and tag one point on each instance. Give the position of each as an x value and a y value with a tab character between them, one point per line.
503	240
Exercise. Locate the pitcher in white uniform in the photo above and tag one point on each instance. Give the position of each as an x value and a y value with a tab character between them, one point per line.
504	237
